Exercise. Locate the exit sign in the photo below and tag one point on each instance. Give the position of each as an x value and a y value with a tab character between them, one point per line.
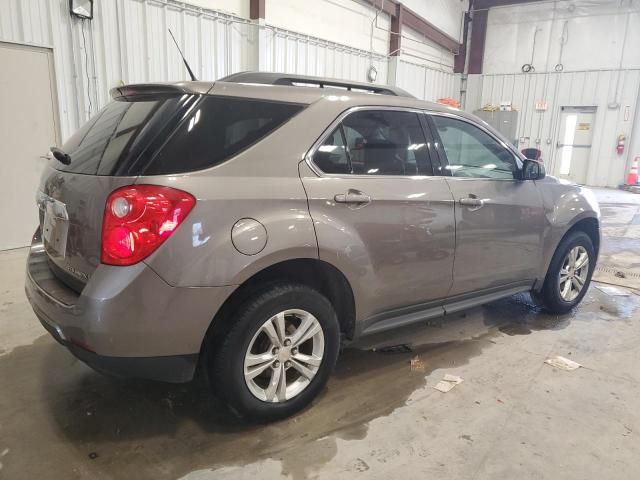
541	106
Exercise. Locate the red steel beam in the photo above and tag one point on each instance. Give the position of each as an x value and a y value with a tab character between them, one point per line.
478	37
395	38
256	9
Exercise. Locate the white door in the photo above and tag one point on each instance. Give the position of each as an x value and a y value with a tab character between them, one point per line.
574	142
27	129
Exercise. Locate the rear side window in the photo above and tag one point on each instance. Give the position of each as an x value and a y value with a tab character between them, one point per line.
216	129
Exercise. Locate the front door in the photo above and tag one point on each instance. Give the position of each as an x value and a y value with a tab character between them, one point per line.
574	142
381	216
499	219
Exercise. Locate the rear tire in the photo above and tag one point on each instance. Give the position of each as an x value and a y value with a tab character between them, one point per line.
568	277
278	354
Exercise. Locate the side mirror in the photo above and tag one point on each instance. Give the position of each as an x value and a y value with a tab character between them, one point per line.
532	170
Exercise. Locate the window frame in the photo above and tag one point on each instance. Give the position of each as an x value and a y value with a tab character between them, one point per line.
442	156
337	122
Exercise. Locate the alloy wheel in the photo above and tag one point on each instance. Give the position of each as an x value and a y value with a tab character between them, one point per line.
284	356
573	273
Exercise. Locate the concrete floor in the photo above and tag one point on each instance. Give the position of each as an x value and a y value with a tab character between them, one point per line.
513	417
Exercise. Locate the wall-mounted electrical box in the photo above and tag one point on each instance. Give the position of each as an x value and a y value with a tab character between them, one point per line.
506	122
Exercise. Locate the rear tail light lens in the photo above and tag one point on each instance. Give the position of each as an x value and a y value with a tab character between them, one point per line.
138	219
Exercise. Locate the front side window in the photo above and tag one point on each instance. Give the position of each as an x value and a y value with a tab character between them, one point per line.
471	152
376	142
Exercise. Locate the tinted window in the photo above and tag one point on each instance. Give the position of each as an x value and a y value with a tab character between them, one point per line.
331	156
471	152
382	142
217	129
116	135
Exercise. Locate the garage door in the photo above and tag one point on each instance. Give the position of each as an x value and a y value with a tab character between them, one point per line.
27	130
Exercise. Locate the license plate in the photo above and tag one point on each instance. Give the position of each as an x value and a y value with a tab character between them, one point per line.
55	225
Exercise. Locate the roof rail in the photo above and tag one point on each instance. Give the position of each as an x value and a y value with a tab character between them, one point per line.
269	78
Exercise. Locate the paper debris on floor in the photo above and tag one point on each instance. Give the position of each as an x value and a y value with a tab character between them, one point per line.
562	363
448	382
613	291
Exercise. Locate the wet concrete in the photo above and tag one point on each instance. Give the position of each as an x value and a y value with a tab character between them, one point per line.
377	418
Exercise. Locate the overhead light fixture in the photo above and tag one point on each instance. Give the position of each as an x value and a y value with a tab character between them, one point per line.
81	8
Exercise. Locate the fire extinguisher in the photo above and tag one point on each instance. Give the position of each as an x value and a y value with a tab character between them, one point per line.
620	145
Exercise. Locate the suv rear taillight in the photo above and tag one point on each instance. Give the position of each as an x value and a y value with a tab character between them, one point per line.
138	219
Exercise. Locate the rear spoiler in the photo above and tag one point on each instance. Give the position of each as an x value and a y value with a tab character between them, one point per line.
128	92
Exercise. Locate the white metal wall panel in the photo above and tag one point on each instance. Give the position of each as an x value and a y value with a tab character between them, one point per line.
426	82
292	52
126	42
538	129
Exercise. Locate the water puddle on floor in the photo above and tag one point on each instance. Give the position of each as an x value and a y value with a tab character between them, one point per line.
78	419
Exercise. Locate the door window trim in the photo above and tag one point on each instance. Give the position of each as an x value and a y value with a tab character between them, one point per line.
442	156
338	122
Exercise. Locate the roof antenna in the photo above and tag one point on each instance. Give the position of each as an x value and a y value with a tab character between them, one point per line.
186	64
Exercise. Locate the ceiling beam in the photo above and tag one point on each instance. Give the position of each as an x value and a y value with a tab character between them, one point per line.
429	30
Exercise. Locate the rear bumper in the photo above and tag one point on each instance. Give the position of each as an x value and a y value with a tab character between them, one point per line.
127	321
173	369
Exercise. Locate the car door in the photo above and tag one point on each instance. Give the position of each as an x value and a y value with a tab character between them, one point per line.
380	214
500	220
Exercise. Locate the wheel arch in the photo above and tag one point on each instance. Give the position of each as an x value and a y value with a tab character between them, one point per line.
314	273
587	224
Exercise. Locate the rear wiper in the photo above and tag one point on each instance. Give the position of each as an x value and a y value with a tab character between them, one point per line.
60	155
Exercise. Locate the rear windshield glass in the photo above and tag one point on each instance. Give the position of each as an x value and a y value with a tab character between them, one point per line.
217	129
129	137
113	139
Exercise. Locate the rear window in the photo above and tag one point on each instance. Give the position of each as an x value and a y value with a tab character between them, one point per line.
113	140
217	129
129	137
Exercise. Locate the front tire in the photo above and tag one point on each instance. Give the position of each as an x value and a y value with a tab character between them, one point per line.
279	353
569	274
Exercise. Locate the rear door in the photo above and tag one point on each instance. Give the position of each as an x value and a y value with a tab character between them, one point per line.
500	220
381	216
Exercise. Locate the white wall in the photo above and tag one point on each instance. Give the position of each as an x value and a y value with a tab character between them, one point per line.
239	8
342	21
539	129
601	68
444	14
595	35
127	42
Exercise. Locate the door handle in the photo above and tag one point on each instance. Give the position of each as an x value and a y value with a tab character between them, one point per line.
352	197
473	203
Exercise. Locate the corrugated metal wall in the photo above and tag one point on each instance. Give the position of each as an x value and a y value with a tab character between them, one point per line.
539	129
428	83
291	52
127	42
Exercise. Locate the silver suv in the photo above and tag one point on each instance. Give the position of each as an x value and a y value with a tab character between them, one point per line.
251	226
